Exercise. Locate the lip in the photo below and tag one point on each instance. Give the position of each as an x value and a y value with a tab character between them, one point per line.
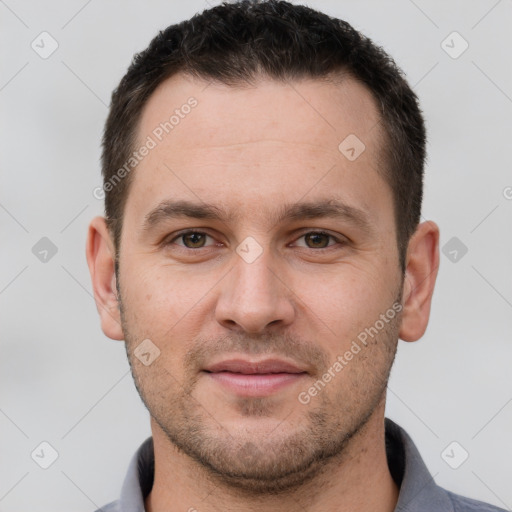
254	367
254	378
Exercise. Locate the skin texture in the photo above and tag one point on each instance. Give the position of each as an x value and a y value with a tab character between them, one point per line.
253	152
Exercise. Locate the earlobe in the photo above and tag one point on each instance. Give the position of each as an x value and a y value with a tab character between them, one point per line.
101	258
420	276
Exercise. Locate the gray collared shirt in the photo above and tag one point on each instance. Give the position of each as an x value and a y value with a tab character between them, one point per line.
418	490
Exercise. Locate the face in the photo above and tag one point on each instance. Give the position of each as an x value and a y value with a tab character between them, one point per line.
262	263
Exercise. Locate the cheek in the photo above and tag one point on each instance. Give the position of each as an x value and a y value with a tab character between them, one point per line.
163	305
157	291
344	303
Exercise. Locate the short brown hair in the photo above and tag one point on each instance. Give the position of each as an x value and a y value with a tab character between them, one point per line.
235	42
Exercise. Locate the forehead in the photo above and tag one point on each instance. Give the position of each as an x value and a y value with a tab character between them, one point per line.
270	140
322	112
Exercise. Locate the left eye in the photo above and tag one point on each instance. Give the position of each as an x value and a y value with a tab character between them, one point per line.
317	240
192	240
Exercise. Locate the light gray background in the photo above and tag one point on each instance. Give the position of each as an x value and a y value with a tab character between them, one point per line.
64	382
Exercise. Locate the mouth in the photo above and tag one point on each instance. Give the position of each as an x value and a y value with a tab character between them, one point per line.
254	378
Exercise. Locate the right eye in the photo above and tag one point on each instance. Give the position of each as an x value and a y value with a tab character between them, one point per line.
192	239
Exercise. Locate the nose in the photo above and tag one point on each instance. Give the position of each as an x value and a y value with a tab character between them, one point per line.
253	298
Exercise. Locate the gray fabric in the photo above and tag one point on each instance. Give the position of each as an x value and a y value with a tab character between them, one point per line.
418	490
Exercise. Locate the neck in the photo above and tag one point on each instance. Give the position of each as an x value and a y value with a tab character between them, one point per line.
359	480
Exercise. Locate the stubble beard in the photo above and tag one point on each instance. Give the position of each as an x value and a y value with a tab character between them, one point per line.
283	461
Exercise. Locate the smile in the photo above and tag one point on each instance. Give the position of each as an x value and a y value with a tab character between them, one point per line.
254	379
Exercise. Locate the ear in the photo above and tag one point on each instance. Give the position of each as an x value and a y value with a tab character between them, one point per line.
422	263
100	258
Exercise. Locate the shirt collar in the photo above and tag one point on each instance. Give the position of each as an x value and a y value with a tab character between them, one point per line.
418	490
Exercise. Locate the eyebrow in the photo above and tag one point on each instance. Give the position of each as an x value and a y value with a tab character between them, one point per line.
292	212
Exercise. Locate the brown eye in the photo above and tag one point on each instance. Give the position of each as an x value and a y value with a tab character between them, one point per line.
194	240
317	240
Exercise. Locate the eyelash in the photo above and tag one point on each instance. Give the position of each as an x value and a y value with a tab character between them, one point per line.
189	232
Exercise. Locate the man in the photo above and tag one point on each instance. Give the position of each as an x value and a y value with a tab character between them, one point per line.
261	255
